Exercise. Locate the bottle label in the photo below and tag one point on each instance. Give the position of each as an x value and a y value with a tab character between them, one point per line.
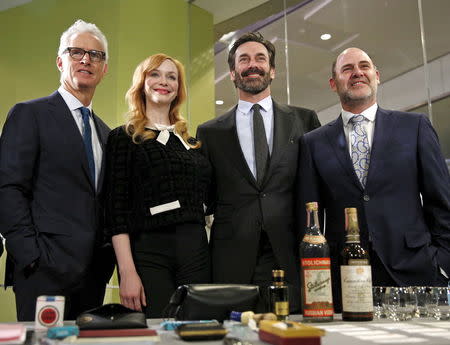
356	283
314	239
318	297
282	308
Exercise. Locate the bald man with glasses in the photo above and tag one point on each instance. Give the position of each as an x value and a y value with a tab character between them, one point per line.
51	173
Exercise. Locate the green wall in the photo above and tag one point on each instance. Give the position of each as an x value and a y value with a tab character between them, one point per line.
29	38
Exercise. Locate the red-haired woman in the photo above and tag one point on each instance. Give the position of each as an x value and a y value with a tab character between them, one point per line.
156	186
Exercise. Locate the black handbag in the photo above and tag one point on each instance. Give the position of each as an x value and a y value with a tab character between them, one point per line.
111	316
211	301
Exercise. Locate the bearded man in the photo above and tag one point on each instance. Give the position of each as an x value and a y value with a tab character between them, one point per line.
253	149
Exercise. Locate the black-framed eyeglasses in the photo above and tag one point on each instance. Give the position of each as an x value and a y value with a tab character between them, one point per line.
78	54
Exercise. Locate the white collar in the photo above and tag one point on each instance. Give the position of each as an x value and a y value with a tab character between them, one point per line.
72	102
164	134
368	113
245	107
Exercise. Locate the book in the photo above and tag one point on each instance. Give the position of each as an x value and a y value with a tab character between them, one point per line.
12	333
123	332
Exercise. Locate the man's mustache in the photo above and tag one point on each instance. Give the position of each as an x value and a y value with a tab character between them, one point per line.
253	71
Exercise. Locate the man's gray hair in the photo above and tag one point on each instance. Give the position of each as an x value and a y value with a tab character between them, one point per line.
79	27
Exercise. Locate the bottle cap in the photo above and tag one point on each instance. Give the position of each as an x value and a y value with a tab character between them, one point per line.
312	206
278	273
350	210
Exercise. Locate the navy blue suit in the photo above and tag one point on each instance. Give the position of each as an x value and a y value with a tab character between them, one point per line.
411	239
50	211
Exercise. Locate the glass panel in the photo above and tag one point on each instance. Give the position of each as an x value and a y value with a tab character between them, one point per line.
388	30
441	122
437	42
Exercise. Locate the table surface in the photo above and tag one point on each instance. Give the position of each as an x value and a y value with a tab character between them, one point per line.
416	331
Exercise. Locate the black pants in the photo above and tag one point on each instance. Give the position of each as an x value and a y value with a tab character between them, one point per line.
87	294
169	257
82	295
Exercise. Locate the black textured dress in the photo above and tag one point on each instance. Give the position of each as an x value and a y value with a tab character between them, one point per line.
156	193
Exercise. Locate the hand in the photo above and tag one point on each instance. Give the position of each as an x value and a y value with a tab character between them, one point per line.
31	268
132	293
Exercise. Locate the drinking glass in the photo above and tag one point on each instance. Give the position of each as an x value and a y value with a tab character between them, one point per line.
421	295
406	304
431	301
391	302
442	309
378	295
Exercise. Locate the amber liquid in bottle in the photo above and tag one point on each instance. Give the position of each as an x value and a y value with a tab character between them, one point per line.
279	296
315	263
356	275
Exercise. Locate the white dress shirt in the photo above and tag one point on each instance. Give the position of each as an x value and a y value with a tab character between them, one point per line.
244	127
73	103
369	114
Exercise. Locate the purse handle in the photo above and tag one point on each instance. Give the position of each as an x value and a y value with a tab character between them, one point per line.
171	309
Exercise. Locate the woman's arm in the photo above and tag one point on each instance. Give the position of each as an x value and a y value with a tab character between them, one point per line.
132	293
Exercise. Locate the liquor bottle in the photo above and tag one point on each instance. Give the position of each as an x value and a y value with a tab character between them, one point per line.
279	296
356	275
317	296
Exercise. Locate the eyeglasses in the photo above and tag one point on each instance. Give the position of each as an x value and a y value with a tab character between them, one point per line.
78	54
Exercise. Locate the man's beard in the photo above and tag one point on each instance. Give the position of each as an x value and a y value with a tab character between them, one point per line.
252	85
347	97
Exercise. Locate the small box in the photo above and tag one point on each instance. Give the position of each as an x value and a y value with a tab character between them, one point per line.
49	311
289	333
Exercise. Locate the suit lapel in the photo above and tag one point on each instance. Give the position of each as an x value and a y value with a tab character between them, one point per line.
70	132
384	124
234	152
284	125
102	138
336	139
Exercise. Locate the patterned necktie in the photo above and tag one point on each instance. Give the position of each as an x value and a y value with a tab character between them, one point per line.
262	155
360	148
87	138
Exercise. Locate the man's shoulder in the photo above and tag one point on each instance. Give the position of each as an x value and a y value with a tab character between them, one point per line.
27	108
399	115
36	102
293	109
217	121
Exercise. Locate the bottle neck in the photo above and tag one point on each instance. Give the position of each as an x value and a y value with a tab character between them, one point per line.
352	228
312	223
278	281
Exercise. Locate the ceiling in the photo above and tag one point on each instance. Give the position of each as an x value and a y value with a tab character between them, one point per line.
388	30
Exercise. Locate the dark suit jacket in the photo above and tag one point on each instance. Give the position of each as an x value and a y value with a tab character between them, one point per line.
49	208
241	208
406	162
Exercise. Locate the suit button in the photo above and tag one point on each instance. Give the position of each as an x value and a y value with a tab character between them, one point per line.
263	195
366	197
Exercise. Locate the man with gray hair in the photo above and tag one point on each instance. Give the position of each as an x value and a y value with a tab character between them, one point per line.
51	159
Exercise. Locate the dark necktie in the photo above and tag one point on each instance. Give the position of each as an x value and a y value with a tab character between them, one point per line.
360	148
87	138
261	147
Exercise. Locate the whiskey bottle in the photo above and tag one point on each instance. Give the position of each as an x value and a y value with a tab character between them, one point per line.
279	296
317	296
356	275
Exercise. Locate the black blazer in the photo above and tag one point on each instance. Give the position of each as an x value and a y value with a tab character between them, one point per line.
406	162
241	208
49	208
